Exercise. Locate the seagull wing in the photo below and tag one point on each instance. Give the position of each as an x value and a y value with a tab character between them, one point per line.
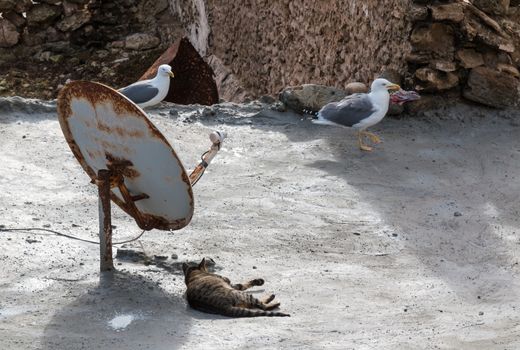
347	112
140	92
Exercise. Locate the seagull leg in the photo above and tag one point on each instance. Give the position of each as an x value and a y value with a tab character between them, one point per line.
362	146
373	137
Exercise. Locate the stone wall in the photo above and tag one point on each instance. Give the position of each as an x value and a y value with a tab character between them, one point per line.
455	48
27	27
79	39
472	50
269	44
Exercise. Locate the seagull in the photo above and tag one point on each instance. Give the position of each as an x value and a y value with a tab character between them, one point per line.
359	111
150	92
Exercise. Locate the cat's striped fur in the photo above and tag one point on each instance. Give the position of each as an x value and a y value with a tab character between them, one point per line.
213	293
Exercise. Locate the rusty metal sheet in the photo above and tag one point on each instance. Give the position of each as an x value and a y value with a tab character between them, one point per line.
194	79
106	131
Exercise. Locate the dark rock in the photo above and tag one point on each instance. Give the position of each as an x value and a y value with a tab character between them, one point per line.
457	214
474	30
493	7
418	58
7	5
492	88
74	21
392	76
418	13
444	66
453	12
41	14
141	41
469	58
23	6
51	2
436	38
395	109
310	96
9	36
509	69
15	18
267	99
435	80
70	8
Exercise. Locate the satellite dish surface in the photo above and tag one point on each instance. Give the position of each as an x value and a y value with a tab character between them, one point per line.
105	130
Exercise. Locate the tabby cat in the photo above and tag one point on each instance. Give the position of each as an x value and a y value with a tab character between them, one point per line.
215	294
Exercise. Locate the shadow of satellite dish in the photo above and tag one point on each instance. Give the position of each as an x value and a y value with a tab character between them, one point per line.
129	160
123	311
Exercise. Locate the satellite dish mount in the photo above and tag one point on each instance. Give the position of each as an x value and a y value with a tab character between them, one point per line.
129	160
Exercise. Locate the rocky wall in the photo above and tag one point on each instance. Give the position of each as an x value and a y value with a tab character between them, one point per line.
269	44
469	49
54	40
459	49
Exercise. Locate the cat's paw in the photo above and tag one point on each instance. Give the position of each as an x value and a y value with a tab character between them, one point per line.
258	282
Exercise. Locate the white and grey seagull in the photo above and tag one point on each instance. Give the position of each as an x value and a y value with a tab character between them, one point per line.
359	111
150	92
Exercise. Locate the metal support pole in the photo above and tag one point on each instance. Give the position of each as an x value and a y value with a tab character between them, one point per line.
105	221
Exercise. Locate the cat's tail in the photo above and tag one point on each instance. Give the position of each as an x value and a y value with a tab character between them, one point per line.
235	311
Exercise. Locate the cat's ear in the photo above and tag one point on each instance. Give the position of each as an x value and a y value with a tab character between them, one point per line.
185	267
202	264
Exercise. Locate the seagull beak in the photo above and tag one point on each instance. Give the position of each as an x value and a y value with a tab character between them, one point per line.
171	74
393	87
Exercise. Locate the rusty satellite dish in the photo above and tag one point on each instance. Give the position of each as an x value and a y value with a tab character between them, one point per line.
129	160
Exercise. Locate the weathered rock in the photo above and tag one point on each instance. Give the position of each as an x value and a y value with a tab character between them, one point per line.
469	58
436	38
434	80
149	8
51	2
493	7
41	14
395	109
141	41
418	13
418	58
23	6
355	88
53	35
474	30
453	12
7	5
492	88
9	36
69	8
444	66
507	68
309	96
392	76
15	18
74	21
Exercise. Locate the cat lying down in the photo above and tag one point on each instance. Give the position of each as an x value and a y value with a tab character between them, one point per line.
209	292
